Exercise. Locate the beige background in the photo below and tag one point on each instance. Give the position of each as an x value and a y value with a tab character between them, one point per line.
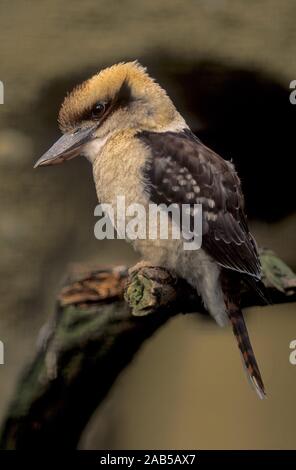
186	388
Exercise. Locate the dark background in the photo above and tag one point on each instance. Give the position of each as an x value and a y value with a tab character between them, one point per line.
228	66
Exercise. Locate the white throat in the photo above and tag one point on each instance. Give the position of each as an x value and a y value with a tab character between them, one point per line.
94	148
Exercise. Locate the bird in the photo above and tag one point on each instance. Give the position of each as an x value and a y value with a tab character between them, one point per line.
141	147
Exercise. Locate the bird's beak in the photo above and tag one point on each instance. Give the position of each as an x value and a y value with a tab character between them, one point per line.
68	146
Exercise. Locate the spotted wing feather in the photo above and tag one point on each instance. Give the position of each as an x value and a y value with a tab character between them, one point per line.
183	170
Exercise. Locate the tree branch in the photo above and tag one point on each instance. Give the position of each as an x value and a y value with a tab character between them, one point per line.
102	318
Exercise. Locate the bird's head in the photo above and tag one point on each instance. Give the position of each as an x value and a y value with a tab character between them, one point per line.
120	97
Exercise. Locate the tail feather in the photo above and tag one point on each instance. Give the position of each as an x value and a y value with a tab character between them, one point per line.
231	290
241	333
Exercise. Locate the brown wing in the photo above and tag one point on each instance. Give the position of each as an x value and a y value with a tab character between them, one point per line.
183	170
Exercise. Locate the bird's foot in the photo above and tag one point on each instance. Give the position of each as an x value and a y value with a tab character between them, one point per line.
139	266
149	288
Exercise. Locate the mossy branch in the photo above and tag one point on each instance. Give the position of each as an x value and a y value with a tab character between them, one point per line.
102	318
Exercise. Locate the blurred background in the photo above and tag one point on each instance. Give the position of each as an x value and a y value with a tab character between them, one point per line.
228	66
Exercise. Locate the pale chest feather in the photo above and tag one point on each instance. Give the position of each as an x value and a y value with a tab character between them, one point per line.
118	170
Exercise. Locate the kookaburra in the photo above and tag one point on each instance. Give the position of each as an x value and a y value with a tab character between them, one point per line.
140	147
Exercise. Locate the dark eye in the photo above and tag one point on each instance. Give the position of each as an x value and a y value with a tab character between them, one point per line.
98	110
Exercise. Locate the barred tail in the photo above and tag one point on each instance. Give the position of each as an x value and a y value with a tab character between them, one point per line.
241	333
